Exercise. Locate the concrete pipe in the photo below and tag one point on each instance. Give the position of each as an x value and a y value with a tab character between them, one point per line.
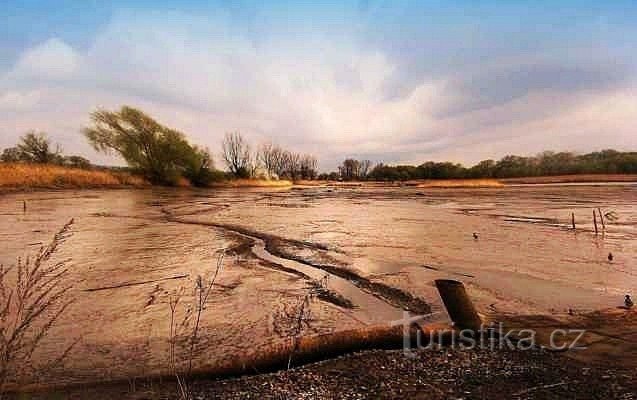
458	305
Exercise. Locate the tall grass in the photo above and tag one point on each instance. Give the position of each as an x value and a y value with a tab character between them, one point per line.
19	175
202	291
33	295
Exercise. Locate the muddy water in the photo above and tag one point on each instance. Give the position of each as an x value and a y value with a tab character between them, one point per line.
131	251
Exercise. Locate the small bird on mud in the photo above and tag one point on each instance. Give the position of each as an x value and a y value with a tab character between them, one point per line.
475	235
628	302
610	256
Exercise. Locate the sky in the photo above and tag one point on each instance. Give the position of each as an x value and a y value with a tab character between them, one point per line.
391	81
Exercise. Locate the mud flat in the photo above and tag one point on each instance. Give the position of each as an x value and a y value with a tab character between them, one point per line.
382	247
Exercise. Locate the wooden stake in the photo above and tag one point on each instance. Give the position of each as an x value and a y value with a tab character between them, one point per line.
573	219
595	220
601	217
24	206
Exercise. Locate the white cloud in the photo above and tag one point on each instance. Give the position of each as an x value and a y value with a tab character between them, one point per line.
12	100
325	95
52	59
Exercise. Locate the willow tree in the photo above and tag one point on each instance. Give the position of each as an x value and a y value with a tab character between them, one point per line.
161	154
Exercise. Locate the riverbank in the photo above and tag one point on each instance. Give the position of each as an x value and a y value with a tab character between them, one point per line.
431	374
28	177
584	178
602	368
20	177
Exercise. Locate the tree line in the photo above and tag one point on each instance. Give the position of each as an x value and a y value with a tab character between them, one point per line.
268	161
547	163
163	155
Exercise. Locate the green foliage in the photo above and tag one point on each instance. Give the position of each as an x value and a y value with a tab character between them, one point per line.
36	147
11	155
161	154
77	162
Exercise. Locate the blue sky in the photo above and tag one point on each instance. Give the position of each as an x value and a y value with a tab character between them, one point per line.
394	81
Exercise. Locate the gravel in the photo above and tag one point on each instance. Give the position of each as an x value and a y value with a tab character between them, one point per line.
432	374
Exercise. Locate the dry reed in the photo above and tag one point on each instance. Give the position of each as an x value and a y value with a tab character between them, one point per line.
458	183
252	183
33	295
18	175
202	291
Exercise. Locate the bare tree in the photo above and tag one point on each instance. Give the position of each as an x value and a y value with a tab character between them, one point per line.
280	161
364	168
308	165
237	155
292	164
350	169
33	296
271	158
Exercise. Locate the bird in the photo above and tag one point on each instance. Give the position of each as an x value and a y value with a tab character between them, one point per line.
610	256
628	302
475	235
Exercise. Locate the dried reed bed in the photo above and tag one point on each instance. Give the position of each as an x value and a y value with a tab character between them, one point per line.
252	183
572	179
456	183
423	183
26	176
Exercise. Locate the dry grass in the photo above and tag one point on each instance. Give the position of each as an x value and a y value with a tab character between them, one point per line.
254	183
305	182
572	179
456	183
33	295
422	183
26	176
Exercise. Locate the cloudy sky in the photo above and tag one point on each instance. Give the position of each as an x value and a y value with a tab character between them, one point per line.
391	81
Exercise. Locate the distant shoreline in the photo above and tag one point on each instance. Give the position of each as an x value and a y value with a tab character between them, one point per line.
33	177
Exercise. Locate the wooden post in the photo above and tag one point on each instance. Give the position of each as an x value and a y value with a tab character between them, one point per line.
458	304
601	217
573	220
24	206
595	220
